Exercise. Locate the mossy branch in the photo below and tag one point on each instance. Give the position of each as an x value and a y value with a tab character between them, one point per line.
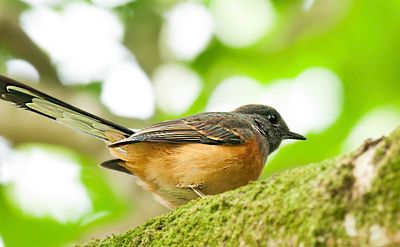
353	200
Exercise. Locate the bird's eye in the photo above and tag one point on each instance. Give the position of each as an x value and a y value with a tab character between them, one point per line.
272	119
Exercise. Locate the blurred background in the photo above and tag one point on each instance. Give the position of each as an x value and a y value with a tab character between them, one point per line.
331	67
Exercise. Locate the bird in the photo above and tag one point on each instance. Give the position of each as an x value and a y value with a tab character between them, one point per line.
177	160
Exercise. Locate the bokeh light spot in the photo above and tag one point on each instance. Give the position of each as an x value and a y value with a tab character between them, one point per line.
127	91
309	103
176	87
374	124
241	23
307	5
43	2
45	184
4	151
82	40
1	242
234	92
187	30
22	70
111	4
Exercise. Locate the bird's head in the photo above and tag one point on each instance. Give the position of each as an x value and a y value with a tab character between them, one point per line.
269	123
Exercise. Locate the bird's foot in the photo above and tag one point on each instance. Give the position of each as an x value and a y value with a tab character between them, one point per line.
196	187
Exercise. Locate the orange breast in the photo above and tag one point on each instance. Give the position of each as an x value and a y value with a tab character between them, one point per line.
217	168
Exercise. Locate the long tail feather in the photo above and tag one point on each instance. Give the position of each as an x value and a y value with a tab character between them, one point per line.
35	101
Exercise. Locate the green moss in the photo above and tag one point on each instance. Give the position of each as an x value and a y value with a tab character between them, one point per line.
306	205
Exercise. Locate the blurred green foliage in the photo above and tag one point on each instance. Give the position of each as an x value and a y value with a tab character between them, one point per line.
359	40
18	228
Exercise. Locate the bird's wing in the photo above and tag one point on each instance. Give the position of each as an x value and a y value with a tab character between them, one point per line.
206	128
33	100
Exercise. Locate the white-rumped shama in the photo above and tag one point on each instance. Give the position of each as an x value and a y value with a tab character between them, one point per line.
177	160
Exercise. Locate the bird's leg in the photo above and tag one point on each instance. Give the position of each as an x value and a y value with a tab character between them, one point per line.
195	187
198	192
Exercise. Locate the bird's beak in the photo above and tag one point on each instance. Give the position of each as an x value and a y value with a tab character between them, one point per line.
295	136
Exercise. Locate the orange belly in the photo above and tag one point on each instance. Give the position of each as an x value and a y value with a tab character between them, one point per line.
215	168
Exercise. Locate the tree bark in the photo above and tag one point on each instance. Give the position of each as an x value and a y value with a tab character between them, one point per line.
353	200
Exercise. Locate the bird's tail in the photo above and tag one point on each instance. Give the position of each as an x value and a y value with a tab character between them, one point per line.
35	101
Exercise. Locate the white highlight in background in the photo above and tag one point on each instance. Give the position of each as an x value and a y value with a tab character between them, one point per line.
128	92
241	23
82	40
187	30
374	124
4	147
312	101
111	4
1	242
309	103
22	70
5	150
233	92
307	5
44	184
176	87
43	2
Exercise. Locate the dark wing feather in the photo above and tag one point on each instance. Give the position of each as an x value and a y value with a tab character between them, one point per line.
116	165
206	128
33	100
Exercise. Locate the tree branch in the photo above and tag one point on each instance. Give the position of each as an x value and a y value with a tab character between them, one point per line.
347	201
